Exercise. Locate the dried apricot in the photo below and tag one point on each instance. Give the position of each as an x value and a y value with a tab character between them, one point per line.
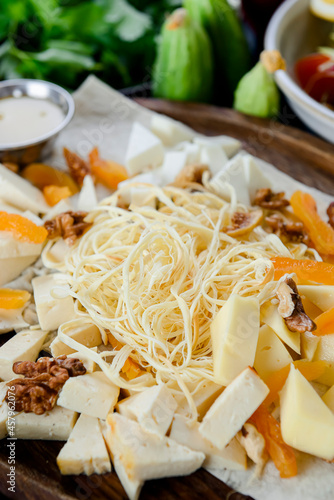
13	299
54	194
109	173
22	229
41	175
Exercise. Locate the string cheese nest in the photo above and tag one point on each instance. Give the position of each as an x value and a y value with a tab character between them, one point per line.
156	277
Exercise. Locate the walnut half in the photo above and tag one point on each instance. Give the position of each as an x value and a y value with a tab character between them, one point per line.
68	225
291	308
77	166
265	198
37	392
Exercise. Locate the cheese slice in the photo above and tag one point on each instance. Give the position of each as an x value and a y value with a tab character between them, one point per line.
320	295
186	432
145	150
213	156
3	410
85	451
145	455
328	398
325	352
54	425
11	248
307	424
203	393
234	334
12	267
24	346
271	317
233	174
87	334
271	354
233	408
20	193
52	311
153	408
11	319
53	256
170	131
92	394
87	199
229	145
309	344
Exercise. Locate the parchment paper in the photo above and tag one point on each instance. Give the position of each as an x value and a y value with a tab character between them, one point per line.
104	118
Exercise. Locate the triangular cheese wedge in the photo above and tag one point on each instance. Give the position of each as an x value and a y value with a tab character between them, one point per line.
307	423
145	455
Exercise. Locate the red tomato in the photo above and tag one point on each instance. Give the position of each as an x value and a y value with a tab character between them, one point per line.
316	76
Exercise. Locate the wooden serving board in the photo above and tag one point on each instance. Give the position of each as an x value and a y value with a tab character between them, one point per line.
297	153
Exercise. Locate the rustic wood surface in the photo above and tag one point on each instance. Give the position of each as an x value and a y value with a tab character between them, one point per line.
297	153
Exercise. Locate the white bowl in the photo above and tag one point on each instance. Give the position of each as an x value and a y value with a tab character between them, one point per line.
295	32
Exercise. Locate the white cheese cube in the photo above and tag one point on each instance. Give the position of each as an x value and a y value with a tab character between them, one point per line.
271	317
234	334
233	408
186	432
11	319
152	177
320	295
85	451
92	394
87	334
88	363
153	408
61	207
328	398
55	425
325	352
174	162
18	192
228	144
145	151
255	178
203	394
12	267
191	150
233	173
146	379
146	455
24	346
271	354
3	410
307	424
87	199
51	311
170	131
214	157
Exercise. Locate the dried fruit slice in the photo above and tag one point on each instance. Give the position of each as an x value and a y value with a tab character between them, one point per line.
109	173
22	229
13	299
324	322
54	194
41	175
243	223
306	270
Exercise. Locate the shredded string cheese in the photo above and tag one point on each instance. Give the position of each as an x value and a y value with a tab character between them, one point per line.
155	278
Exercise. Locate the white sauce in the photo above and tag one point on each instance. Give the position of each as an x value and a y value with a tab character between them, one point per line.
25	118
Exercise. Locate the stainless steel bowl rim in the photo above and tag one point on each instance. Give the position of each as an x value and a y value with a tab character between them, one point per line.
53	132
283	79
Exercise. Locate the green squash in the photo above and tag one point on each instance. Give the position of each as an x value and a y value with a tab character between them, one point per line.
183	70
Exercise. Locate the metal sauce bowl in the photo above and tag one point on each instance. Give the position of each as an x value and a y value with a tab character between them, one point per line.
40	147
